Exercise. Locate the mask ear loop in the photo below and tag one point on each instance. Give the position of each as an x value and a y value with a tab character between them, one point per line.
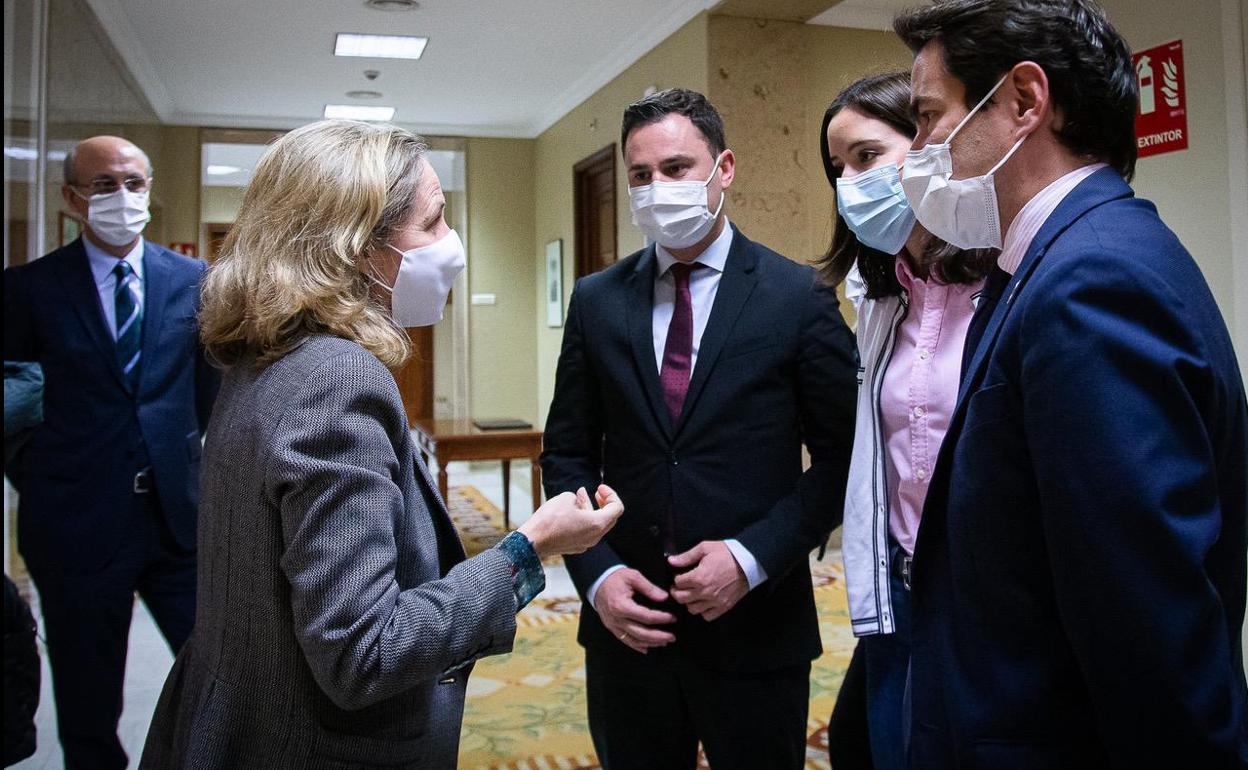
369	273
707	184
970	114
1001	162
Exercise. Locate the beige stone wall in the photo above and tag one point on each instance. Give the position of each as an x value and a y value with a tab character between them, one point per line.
502	337
757	82
772	81
680	60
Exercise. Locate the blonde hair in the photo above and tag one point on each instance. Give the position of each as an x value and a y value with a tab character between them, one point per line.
321	197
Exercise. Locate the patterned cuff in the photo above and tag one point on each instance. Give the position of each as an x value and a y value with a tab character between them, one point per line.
527	576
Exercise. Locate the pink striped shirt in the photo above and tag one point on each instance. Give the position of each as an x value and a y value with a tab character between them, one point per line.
919	392
1034	214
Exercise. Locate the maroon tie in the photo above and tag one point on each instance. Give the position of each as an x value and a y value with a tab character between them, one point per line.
678	352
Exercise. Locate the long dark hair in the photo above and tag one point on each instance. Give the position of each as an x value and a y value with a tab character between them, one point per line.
885	97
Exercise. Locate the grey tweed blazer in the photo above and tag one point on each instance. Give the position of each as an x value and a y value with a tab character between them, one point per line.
337	617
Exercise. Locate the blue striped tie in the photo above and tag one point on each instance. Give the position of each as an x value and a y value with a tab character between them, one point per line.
129	322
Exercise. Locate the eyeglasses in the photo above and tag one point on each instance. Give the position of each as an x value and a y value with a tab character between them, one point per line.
105	185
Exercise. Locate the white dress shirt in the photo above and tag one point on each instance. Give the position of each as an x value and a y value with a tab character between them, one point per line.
102	266
703	286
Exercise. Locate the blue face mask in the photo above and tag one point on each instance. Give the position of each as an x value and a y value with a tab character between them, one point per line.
875	208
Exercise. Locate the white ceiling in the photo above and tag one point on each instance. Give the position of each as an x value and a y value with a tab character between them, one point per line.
492	67
863	14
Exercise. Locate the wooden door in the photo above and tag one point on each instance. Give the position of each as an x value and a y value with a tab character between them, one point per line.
214	237
415	378
593	184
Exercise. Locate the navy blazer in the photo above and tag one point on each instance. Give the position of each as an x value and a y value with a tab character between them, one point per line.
1079	575
78	467
775	369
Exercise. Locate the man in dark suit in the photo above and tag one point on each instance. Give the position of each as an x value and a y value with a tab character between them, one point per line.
1079	575
691	373
110	479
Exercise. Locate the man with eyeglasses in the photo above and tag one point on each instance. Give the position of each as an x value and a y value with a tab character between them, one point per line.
109	481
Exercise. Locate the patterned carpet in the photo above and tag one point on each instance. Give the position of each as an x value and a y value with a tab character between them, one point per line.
526	710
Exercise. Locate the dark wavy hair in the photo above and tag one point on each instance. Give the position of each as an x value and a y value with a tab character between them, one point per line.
1087	62
885	97
680	101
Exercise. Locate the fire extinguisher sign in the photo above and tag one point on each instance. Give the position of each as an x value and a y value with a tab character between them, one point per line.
1161	119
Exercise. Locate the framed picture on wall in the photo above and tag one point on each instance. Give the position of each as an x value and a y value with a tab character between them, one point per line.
68	227
554	283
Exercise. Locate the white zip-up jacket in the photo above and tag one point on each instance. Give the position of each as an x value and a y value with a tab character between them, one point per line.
864	534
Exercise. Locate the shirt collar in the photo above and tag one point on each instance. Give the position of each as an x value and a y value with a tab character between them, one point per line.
1036	212
102	263
714	256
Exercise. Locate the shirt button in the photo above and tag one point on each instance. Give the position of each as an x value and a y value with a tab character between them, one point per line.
924	354
920	474
919	411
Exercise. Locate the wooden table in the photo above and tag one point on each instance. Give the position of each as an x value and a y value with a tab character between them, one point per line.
450	440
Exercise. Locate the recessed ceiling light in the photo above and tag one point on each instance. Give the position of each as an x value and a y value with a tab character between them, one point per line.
392	5
364	94
379	46
218	170
358	112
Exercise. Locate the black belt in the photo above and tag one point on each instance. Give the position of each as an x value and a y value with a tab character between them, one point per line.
143	481
903	565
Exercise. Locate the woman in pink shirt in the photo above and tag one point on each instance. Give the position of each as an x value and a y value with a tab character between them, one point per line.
914	296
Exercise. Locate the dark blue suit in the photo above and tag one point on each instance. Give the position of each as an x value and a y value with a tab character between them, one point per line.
1079	576
89	540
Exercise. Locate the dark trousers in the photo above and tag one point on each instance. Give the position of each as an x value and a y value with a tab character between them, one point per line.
849	736
86	619
887	658
650	712
869	726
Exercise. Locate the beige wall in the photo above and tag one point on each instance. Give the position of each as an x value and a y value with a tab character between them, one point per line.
502	337
220	204
757	82
680	60
1192	187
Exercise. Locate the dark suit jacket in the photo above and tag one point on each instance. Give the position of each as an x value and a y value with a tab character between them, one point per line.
78	467
1079	572
775	368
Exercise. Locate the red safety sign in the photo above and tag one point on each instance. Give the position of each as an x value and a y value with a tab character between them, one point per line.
1161	120
189	249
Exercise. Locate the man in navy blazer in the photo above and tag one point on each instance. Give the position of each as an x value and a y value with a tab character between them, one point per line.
691	374
1079	574
109	481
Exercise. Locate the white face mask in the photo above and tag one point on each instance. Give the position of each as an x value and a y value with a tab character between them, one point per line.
962	212
117	218
425	278
675	214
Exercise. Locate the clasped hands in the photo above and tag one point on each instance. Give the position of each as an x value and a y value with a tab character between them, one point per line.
709	583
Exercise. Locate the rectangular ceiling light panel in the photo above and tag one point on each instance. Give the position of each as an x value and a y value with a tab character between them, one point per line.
358	112
380	46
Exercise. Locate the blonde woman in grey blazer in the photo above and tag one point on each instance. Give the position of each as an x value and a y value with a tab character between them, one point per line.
338	617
